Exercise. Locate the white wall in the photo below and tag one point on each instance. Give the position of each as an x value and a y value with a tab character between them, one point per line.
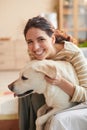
7	77
13	16
15	13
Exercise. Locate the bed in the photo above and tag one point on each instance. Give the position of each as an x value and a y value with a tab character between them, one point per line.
8	111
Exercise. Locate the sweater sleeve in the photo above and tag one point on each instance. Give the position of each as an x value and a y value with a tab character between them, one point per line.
80	64
74	55
80	94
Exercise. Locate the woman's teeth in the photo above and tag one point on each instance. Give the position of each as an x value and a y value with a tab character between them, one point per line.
39	52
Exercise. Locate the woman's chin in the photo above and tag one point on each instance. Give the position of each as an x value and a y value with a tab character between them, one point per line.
40	57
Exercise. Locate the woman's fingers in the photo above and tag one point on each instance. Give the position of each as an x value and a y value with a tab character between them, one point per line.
52	81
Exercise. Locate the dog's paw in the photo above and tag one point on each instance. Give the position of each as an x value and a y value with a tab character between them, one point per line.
38	121
42	110
39	127
41	120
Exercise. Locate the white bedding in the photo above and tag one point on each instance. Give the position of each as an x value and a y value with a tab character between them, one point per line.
8	104
74	118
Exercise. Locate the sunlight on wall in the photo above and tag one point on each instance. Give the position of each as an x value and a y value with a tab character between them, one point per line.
14	14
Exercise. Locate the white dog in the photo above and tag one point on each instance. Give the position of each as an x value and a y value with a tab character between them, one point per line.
32	80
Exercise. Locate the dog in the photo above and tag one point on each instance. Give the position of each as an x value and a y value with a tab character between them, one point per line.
31	80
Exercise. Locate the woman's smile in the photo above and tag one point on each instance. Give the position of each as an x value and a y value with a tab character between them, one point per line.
39	54
40	44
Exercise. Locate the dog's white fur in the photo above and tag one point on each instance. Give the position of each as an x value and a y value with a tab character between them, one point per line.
55	97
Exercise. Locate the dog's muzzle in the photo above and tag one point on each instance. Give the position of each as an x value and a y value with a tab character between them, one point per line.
11	87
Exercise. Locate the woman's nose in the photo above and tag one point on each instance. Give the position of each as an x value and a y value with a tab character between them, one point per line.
36	46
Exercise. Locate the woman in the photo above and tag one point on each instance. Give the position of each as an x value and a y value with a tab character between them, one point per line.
41	37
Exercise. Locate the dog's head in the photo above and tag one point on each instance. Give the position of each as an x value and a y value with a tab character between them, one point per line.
31	78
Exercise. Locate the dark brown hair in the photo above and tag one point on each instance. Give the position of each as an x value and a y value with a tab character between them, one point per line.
45	25
41	23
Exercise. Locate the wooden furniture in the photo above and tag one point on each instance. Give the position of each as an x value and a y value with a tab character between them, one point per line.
13	54
8	111
72	17
9	124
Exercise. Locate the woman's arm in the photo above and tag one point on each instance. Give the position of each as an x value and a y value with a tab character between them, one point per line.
73	54
77	93
62	83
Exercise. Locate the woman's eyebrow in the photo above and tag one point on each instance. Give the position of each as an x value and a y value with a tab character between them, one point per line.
28	40
40	37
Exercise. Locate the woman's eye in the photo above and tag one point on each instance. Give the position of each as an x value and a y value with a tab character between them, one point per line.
29	42
42	39
24	78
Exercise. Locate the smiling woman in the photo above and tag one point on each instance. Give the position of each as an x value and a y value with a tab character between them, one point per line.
46	42
38	44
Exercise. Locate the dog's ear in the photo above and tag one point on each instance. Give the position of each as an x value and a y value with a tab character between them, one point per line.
49	70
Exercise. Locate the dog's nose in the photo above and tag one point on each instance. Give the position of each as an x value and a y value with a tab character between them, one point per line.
11	86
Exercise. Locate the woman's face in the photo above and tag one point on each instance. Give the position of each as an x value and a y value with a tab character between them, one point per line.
40	45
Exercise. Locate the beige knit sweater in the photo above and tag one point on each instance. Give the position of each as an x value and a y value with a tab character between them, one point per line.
74	55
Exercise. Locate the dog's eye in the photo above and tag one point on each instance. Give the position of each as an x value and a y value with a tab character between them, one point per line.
24	78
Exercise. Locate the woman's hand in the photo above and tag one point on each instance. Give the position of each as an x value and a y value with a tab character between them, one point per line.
62	83
55	81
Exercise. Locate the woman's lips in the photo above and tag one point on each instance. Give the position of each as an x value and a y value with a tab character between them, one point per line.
39	53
